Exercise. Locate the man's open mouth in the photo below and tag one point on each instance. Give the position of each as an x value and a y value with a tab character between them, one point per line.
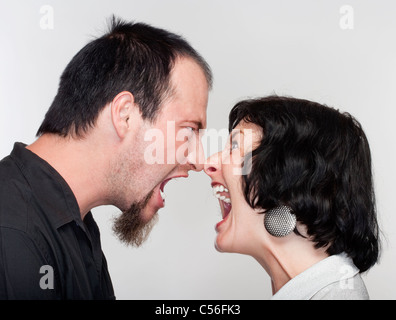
221	192
162	186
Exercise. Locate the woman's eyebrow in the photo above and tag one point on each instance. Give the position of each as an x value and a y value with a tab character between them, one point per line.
236	132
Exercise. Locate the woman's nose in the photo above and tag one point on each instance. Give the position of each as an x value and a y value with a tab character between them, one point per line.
213	164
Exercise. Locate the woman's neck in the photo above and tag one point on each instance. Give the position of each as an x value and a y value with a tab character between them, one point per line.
285	258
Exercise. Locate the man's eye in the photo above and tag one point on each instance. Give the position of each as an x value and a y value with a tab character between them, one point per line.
189	132
194	130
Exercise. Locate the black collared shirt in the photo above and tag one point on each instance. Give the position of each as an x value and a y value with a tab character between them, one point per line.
46	250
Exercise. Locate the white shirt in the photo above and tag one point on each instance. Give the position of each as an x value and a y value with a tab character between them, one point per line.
333	278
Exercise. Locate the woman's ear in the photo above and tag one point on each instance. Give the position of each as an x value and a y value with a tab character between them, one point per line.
122	108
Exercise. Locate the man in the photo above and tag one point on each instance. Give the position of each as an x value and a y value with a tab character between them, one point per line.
92	150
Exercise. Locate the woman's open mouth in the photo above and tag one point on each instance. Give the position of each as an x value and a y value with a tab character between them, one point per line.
221	192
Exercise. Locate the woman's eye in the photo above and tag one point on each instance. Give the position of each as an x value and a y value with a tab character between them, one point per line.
234	145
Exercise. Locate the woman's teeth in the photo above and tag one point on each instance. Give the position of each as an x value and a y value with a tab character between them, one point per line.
217	189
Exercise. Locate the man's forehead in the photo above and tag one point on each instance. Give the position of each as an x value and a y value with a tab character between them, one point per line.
188	98
182	114
185	112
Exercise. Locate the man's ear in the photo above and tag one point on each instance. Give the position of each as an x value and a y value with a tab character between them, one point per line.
122	110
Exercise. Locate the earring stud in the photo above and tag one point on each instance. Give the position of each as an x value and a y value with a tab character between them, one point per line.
280	221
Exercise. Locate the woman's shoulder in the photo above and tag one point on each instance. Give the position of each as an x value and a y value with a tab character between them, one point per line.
345	289
333	278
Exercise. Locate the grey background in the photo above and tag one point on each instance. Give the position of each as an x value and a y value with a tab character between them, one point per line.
255	48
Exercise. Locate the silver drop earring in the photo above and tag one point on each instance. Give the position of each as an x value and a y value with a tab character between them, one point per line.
279	221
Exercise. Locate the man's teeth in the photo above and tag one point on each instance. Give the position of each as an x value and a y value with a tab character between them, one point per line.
216	192
162	194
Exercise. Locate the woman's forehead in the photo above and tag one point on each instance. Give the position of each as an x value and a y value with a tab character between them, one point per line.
245	127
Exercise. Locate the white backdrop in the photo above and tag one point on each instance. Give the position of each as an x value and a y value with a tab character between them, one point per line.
308	49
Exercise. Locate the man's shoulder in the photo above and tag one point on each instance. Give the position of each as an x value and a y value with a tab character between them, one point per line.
15	196
9	170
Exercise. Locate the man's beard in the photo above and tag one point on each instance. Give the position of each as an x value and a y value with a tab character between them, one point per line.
130	227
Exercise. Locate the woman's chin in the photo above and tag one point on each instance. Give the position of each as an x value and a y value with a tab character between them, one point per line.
217	247
222	245
218	244
225	244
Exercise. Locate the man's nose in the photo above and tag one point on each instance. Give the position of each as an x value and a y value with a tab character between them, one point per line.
196	158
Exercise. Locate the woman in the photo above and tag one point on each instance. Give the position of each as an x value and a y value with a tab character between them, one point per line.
295	189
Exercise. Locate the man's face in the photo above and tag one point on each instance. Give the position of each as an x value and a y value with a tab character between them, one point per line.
165	149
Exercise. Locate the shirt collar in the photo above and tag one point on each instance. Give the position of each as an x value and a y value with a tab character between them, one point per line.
49	188
329	270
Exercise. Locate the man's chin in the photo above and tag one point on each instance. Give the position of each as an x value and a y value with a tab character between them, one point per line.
133	226
133	231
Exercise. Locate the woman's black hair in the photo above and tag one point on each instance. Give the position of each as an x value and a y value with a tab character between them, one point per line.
316	160
134	57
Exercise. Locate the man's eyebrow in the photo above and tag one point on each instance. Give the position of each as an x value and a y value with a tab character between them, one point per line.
197	123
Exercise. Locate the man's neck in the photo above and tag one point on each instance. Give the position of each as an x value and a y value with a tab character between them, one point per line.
78	164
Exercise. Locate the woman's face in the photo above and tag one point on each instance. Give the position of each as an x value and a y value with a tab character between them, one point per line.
240	223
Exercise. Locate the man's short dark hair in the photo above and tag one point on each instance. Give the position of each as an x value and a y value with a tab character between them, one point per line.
316	160
134	57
